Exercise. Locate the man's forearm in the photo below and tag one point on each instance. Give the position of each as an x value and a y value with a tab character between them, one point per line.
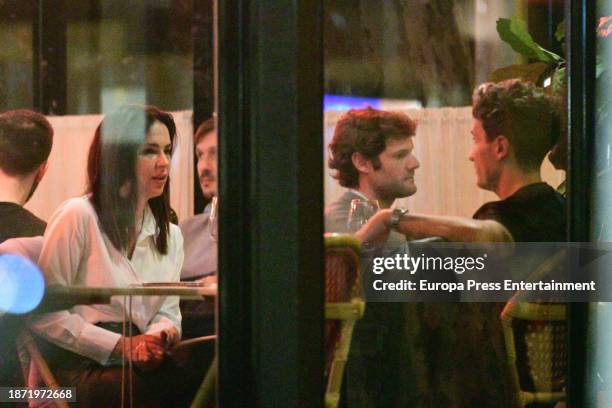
418	226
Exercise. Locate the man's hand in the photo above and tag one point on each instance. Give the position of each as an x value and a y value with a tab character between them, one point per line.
377	229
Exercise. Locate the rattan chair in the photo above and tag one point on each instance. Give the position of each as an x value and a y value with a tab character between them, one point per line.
535	335
343	307
31	359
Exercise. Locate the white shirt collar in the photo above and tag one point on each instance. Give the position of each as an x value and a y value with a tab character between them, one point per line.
149	225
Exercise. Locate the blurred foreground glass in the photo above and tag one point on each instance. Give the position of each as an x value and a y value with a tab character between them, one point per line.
361	211
213	224
17	54
599	357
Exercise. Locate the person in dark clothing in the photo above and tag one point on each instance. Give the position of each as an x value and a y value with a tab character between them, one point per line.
18	222
515	125
25	143
534	213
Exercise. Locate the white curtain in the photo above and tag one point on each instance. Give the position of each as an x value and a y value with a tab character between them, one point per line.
67	173
446	180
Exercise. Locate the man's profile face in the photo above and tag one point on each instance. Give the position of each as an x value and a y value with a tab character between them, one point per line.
395	177
206	152
483	156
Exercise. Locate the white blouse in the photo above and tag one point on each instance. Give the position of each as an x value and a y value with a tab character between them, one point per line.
77	253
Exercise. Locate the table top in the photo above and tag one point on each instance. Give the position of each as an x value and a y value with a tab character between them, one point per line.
65	297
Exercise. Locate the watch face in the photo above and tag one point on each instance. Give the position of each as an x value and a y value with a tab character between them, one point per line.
396	216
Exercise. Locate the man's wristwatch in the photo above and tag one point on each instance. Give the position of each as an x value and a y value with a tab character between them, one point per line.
396	217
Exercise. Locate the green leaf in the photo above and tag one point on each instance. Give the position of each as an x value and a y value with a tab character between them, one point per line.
514	32
531	72
558	84
558	89
560	31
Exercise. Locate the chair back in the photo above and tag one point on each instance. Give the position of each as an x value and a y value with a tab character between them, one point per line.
34	366
343	306
535	335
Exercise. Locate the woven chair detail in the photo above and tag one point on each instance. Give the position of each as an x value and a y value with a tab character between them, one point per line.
535	335
343	306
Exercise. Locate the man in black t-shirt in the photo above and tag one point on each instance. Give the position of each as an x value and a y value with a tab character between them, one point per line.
26	138
534	213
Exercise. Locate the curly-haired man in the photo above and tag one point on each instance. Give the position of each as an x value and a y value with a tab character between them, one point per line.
372	153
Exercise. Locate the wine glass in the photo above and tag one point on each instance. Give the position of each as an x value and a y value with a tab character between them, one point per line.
213	220
360	213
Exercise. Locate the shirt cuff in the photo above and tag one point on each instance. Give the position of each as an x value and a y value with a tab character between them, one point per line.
98	343
162	324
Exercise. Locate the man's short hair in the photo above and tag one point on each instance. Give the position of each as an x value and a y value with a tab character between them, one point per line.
522	112
364	131
26	138
206	127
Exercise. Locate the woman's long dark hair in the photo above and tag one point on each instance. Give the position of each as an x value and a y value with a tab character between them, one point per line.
112	165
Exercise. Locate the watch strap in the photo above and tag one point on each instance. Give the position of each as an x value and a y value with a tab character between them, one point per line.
396	217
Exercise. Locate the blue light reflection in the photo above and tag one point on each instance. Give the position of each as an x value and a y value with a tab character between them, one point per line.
22	285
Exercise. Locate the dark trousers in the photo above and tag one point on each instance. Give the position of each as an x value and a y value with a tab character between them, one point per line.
170	385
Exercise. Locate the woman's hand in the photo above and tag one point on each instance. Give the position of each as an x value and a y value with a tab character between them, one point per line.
208	280
146	351
169	337
148	355
377	229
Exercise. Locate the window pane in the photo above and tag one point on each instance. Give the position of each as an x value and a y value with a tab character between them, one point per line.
599	374
122	52
16	53
424	59
77	62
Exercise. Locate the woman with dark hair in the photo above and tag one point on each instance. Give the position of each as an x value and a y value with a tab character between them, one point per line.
119	234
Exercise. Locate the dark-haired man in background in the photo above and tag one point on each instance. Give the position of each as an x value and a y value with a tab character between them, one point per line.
26	138
200	248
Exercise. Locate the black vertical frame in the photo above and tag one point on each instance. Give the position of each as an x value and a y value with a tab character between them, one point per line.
271	189
50	58
203	78
203	60
581	48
